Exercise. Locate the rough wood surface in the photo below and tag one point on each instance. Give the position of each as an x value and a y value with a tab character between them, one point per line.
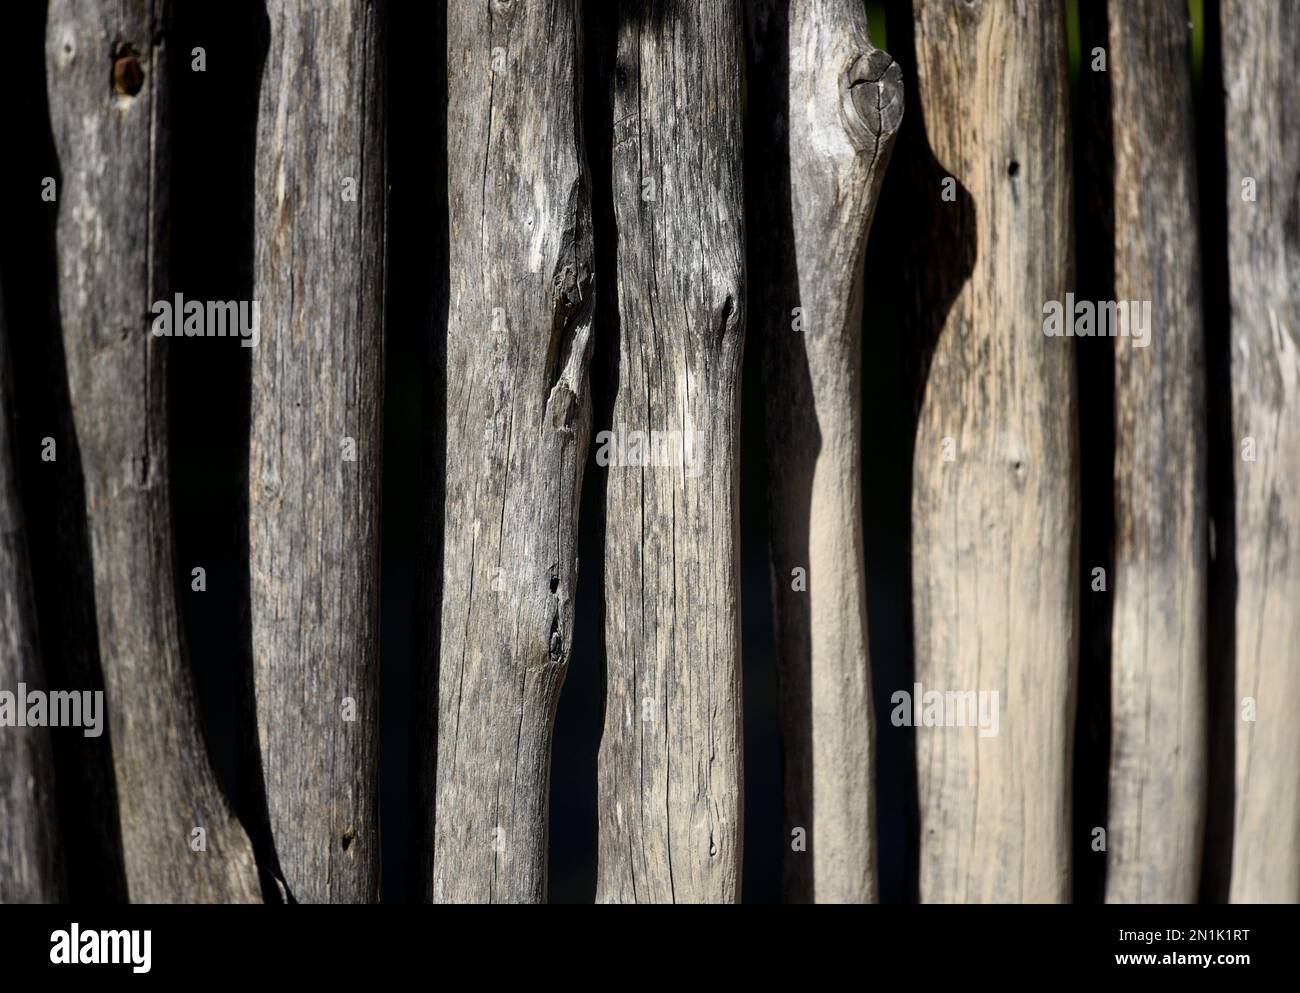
31	869
518	419
670	760
315	448
995	528
1261	55
1159	584
110	129
827	104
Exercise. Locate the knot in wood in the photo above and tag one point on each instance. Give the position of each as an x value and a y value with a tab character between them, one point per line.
872	91
128	76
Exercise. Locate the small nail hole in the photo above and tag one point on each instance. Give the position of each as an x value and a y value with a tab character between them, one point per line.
1013	169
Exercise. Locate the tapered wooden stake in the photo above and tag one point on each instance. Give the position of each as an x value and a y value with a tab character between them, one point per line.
518	421
106	69
669	768
31	869
1159	585
826	104
314	459
1261	54
994	512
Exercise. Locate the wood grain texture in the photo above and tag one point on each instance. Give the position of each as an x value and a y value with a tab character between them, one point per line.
995	528
110	126
670	760
1159	584
518	418
315	448
1261	55
31	869
825	104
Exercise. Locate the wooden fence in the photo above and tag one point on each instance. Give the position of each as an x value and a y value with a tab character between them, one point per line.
1086	249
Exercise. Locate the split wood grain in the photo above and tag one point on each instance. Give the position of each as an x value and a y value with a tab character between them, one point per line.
106	69
518	422
827	104
670	762
315	442
1261	56
995	508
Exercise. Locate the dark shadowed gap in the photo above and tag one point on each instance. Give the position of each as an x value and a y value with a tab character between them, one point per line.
52	491
921	253
213	120
572	826
765	840
886	483
1216	864
572	813
775	494
1094	174
414	394
414	444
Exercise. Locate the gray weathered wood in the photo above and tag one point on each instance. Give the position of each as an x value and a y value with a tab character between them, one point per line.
1261	57
315	448
995	528
827	104
1156	809
30	864
670	761
106	71
518	420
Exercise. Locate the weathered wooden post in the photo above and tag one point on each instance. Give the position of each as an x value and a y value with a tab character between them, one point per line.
106	75
669	768
1261	55
994	511
315	446
518	421
1159	584
826	105
31	869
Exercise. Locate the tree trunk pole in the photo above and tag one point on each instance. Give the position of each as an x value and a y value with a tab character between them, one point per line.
826	104
107	79
31	868
315	448
669	767
518	421
994	511
1261	54
1158	647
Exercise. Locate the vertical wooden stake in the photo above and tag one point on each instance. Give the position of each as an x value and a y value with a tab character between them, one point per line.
31	870
1158	647
106	72
994	512
826	104
518	420
669	768
1261	54
315	447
